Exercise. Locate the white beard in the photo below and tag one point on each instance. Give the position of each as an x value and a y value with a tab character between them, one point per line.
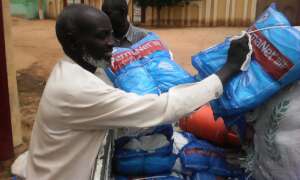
98	63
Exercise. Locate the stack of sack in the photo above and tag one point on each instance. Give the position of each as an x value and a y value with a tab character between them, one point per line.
189	158
172	176
145	155
275	63
200	158
148	67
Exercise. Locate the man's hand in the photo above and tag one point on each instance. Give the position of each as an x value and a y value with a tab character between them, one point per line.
237	55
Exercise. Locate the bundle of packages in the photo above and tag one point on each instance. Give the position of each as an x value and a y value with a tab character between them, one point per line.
172	176
205	176
145	155
275	63
199	158
146	67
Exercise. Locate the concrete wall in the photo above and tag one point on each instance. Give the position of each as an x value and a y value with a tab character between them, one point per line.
205	13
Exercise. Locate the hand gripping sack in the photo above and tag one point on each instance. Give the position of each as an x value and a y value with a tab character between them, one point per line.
146	67
275	63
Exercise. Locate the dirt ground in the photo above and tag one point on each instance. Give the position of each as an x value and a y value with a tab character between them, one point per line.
36	50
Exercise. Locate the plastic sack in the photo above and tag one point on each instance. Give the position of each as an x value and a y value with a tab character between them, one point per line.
158	177
130	75
208	176
277	136
202	124
204	176
199	156
126	134
145	165
275	63
149	159
146	67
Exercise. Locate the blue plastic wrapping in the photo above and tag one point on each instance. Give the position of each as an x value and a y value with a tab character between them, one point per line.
135	78
201	156
275	63
147	165
143	163
158	177
204	176
146	67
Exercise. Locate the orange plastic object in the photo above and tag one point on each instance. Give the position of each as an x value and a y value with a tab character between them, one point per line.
202	124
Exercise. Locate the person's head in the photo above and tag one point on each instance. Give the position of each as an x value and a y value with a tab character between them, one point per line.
85	34
117	10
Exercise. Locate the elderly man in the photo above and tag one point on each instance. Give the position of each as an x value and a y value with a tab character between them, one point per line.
77	108
125	33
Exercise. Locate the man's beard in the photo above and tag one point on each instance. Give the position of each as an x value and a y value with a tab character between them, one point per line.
98	63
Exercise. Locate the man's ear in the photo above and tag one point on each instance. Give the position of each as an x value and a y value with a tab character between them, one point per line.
72	40
125	11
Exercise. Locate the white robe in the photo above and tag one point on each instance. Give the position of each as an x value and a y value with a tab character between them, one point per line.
77	108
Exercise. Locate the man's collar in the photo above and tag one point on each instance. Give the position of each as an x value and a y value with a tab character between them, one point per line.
129	35
67	58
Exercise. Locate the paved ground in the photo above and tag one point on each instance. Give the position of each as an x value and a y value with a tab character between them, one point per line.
36	50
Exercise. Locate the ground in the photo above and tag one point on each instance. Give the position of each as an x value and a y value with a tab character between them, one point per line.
36	50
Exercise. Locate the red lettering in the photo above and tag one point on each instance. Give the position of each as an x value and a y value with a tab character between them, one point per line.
268	56
201	152
122	59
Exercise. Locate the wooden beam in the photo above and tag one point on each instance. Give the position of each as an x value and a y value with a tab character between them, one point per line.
200	13
65	3
245	12
227	13
6	139
215	12
208	12
183	12
233	14
253	10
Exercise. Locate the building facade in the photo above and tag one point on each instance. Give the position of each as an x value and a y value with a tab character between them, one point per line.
196	13
204	13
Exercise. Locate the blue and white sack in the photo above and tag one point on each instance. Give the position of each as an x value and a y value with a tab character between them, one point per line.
275	63
146	67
